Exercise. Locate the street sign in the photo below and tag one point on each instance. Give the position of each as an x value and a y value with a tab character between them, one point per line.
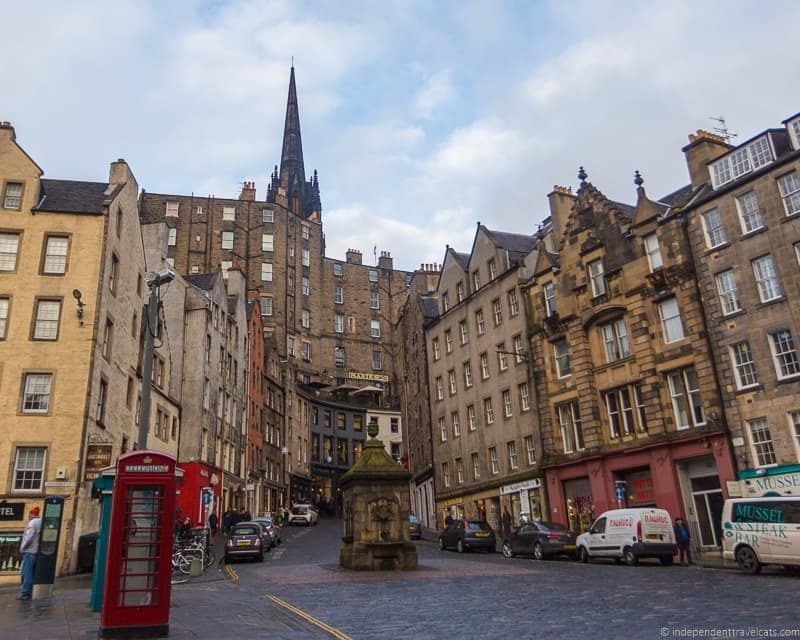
206	498
619	492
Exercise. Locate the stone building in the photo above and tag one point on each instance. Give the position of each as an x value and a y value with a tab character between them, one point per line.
482	410
629	408
255	453
333	320
744	228
420	308
71	293
273	414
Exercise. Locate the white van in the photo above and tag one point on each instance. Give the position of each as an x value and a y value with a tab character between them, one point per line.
759	531
630	534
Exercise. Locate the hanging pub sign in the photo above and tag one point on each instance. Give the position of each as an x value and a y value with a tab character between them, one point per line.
12	510
98	457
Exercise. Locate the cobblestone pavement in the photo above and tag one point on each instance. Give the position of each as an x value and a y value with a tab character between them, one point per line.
470	595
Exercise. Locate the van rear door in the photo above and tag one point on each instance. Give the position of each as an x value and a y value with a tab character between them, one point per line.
657	527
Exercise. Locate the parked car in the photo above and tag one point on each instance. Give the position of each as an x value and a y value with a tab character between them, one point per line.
414	527
466	535
246	541
630	534
541	540
303	514
266	535
759	531
273	529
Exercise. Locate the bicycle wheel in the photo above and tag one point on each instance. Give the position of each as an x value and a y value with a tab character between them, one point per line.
184	562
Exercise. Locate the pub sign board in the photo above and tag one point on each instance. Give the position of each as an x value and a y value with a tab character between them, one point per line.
98	457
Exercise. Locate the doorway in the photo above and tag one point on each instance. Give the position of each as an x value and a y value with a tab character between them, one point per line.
708	501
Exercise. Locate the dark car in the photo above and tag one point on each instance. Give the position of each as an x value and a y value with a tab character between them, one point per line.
466	535
273	529
414	527
541	540
246	541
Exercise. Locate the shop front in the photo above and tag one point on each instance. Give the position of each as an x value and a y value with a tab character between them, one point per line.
523	500
685	477
484	505
782	480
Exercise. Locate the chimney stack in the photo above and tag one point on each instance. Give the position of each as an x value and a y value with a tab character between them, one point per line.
248	193
385	261
561	199
353	256
703	147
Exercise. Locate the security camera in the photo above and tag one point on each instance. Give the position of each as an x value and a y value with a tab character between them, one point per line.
156	279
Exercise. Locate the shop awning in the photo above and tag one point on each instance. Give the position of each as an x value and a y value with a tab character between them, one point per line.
369	389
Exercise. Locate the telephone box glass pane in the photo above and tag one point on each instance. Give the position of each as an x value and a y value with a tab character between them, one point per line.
141	546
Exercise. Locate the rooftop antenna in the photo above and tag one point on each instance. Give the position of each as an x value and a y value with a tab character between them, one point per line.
722	129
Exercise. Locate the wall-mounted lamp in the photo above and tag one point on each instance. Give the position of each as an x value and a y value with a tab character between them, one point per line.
76	293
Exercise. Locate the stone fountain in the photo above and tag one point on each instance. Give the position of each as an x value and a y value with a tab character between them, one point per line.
375	500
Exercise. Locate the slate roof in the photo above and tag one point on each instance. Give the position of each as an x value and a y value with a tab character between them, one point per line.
627	209
430	307
203	281
462	259
515	242
72	196
679	197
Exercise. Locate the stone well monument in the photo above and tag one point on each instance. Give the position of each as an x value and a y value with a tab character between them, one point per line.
375	500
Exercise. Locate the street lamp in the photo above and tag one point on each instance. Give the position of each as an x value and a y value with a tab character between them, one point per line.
154	280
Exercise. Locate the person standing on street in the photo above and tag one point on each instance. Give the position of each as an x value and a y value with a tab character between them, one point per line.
448	519
506	522
28	548
683	538
227	521
212	523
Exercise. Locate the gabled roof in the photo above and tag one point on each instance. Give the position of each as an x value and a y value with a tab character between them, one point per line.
73	196
515	242
679	197
462	259
202	281
430	307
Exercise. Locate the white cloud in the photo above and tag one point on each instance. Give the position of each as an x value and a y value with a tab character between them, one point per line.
435	93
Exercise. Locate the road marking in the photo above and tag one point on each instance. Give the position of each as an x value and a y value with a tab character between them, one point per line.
309	618
234	576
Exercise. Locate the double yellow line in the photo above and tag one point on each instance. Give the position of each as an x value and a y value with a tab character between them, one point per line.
233	575
309	618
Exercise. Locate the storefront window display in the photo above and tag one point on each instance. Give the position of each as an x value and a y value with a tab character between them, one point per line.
639	488
580	506
9	550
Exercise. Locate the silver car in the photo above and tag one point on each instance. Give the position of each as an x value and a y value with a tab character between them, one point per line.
273	529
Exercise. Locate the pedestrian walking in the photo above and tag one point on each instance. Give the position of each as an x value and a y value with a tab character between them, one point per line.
448	519
683	538
212	523
227	521
28	548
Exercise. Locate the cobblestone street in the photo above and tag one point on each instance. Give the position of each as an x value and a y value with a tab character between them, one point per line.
300	589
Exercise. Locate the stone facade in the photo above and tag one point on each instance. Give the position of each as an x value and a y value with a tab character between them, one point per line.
71	292
625	381
744	229
482	411
420	308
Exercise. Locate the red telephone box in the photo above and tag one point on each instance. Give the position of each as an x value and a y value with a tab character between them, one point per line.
139	563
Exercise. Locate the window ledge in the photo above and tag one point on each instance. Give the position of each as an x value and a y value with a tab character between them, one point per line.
771	302
718	247
788	379
789	217
749	389
754	232
733	314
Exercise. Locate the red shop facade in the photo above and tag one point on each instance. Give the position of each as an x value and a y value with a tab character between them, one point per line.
687	477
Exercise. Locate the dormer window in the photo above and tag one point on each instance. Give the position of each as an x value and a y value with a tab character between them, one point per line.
597	278
794	131
741	161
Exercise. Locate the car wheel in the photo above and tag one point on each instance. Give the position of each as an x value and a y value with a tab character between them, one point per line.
460	546
508	552
630	557
538	552
227	559
441	544
747	560
583	555
667	561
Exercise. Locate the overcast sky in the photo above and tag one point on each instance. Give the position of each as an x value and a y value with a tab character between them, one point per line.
422	118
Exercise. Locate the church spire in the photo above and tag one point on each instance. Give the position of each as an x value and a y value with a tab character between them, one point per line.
292	172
